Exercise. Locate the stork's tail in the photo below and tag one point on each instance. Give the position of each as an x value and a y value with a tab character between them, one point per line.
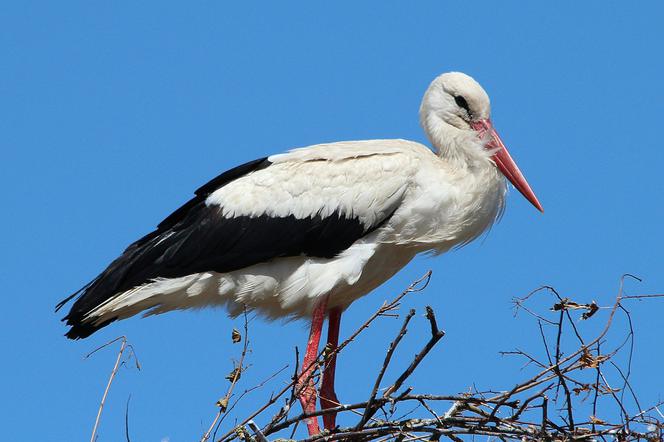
81	329
76	318
96	307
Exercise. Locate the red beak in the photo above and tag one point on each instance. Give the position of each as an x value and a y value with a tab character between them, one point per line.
504	161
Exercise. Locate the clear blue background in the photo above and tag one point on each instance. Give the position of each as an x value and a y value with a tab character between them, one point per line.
112	113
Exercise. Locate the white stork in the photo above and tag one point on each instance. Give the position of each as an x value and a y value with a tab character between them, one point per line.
305	233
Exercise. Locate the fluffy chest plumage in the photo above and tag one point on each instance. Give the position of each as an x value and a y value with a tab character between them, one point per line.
447	207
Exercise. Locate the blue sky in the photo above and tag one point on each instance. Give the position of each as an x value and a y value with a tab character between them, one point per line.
111	114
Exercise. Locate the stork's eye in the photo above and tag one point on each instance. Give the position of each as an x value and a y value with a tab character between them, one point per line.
462	103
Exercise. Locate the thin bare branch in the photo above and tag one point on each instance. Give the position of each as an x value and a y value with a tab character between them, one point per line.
114	372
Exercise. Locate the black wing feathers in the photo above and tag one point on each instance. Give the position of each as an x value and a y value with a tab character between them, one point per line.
197	238
107	284
203	192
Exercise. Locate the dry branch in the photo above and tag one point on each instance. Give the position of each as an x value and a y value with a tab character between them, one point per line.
536	411
118	362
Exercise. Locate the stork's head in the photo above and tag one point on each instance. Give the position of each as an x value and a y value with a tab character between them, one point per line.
456	116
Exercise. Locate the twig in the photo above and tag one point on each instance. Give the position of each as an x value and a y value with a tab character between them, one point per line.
114	372
260	437
247	391
386	363
127	420
234	377
416	286
436	335
561	378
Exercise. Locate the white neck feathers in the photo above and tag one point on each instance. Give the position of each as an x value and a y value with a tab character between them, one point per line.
462	148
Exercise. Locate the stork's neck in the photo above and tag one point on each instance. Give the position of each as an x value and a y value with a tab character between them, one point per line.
461	148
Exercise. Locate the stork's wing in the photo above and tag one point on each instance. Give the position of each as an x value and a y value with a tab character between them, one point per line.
268	208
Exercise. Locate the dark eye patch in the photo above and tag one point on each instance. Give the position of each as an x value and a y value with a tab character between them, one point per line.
462	103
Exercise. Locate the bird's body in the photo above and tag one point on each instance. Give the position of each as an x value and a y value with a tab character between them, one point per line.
307	232
384	201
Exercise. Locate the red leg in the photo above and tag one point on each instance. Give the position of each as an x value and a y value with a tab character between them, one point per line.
308	392
328	398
